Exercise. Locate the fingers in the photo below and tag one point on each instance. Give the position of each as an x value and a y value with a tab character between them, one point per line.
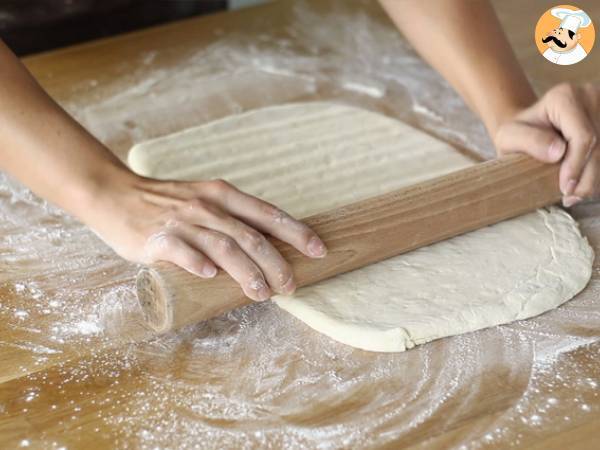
228	255
543	144
565	110
212	223
264	217
194	249
254	244
165	246
587	187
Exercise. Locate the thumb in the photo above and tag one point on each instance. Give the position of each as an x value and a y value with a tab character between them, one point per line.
542	143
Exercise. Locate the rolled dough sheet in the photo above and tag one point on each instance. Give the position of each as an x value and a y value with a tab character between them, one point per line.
311	157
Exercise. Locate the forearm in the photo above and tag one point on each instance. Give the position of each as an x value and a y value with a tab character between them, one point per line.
463	40
44	148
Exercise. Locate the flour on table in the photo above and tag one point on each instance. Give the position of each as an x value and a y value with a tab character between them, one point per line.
311	157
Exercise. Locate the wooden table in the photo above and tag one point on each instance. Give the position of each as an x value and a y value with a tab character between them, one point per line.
529	385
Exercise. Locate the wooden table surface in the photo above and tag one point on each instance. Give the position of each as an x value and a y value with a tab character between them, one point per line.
71	395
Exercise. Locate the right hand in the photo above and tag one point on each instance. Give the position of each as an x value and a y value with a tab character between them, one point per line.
200	226
564	126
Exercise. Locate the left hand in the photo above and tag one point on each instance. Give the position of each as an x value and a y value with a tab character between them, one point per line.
563	125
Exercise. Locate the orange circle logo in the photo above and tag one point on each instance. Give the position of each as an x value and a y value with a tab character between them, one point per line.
565	35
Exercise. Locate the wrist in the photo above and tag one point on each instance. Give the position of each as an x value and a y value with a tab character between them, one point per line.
505	113
95	192
507	110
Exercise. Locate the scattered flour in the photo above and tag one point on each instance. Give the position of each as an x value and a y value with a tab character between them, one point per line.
373	91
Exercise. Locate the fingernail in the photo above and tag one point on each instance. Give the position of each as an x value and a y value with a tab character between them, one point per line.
557	149
571	185
571	200
264	294
209	271
316	248
289	287
262	290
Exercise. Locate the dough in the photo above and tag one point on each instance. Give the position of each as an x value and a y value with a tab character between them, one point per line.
311	157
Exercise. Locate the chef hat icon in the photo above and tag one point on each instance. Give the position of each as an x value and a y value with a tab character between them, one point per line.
570	19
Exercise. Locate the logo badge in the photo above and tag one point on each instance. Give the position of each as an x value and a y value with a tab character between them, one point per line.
565	35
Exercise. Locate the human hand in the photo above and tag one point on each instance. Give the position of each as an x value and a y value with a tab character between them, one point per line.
199	226
563	125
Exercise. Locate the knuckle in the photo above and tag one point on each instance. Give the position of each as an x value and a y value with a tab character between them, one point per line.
220	186
254	240
166	240
564	90
170	242
274	213
196	205
204	209
160	243
225	244
172	223
171	219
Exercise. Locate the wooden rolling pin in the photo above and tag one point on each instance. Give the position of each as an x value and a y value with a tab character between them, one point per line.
365	232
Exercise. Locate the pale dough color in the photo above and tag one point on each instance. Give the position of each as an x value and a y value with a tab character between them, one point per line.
311	157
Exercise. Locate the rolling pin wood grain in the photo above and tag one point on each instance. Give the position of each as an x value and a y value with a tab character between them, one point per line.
365	232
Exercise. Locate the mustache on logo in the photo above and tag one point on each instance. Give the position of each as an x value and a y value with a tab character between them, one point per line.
556	41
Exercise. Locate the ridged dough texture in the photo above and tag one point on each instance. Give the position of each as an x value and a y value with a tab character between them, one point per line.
311	157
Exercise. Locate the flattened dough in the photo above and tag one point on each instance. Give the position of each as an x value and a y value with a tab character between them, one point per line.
311	157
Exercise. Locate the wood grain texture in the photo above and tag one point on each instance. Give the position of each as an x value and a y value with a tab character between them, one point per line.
366	232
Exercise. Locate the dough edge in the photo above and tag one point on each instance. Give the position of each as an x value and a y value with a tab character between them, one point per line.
141	156
511	307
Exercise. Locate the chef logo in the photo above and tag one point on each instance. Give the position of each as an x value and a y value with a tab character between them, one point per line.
565	35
